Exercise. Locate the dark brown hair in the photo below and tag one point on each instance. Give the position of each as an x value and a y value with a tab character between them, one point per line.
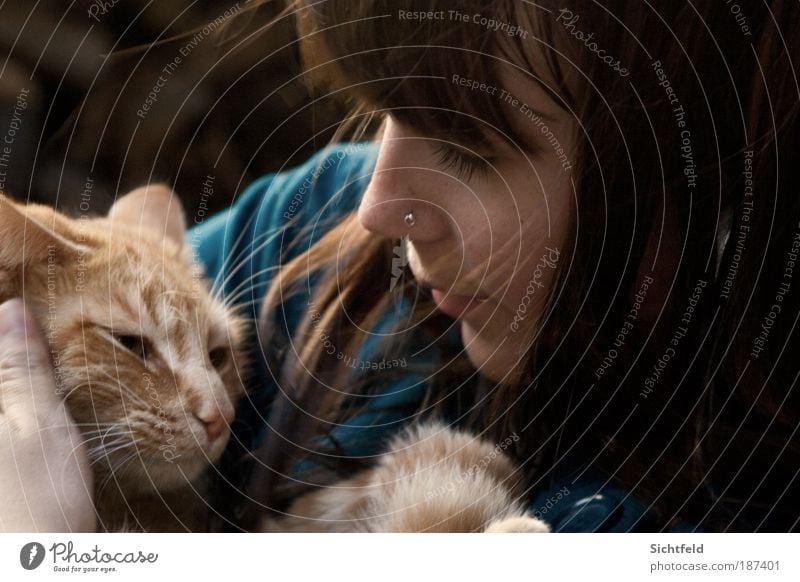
679	410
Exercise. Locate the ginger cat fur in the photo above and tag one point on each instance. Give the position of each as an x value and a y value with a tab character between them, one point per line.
431	479
147	359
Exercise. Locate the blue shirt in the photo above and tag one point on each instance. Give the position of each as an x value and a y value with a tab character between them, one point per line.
278	217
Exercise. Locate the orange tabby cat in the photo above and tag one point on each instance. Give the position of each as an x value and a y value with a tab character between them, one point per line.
147	359
431	479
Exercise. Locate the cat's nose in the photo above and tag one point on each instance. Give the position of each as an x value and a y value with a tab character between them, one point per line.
215	421
215	426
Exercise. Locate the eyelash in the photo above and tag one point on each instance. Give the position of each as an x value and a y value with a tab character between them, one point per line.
464	164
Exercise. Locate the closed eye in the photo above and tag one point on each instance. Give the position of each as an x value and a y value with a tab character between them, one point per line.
464	163
136	344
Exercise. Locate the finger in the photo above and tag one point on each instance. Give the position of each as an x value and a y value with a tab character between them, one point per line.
27	388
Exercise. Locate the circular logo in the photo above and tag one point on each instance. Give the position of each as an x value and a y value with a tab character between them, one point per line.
31	555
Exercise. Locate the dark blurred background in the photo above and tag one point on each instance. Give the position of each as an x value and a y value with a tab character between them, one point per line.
74	112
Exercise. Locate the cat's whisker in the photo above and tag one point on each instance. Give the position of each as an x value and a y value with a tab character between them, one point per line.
116	390
116	446
225	297
82	442
75	389
96	384
242	263
232	256
118	436
113	430
76	424
103	451
243	288
124	387
117	387
102	437
229	300
246	304
111	475
114	469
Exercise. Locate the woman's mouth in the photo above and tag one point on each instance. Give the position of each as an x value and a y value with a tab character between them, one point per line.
456	305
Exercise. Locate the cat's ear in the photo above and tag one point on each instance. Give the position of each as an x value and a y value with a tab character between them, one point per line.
32	233
154	207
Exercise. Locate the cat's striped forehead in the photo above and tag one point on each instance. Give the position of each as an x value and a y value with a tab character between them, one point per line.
156	284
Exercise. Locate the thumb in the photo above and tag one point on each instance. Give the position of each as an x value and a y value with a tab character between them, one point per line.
27	388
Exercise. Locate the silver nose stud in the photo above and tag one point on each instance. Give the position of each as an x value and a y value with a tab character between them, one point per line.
409	219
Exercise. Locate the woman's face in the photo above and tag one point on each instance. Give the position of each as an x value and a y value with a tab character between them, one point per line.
488	244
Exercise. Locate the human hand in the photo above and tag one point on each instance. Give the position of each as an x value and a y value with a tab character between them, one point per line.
46	483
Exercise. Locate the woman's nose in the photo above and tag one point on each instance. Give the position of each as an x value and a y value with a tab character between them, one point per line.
399	216
398	200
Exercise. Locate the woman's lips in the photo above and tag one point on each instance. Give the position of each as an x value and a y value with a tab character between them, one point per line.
455	305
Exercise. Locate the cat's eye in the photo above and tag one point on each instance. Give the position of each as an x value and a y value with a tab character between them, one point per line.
134	343
218	357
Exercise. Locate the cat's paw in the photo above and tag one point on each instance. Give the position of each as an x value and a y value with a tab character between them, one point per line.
518	524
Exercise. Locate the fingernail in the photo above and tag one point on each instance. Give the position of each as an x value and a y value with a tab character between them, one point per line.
12	317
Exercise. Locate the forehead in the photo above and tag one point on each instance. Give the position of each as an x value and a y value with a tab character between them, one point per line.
531	104
436	78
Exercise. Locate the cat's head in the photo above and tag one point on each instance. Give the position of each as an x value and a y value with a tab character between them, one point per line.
147	359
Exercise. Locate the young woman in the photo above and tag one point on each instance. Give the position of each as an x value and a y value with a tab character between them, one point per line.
574	226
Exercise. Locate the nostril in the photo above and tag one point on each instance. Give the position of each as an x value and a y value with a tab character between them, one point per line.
216	415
